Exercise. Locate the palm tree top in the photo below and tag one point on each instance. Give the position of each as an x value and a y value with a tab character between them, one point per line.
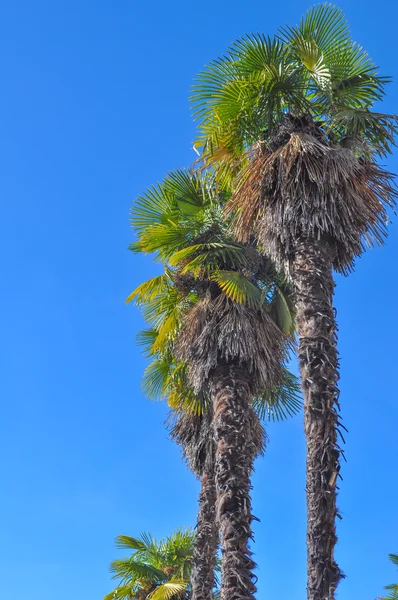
313	68
182	222
156	570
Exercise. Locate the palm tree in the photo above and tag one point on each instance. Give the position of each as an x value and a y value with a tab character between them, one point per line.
289	122
155	570
211	310
393	588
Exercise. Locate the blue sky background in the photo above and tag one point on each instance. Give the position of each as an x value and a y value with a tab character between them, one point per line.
94	108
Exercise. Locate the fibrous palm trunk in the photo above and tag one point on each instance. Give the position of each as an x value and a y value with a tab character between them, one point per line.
235	427
206	540
311	270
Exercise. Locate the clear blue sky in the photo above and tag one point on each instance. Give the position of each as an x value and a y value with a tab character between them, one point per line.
94	108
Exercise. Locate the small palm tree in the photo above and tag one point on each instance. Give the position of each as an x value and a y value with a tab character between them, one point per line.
393	588
155	570
211	311
289	122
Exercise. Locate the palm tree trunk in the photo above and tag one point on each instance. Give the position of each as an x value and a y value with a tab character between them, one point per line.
319	365
206	541
234	426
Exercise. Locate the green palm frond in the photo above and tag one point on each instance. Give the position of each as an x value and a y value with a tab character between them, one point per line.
169	328
121	593
209	256
322	33
155	206
131	570
245	91
146	339
171	589
355	79
190	191
179	544
126	541
184	253
394	559
377	129
325	24
148	290
281	309
282	401
156	310
155	378
237	287
164	238
182	398
157	215
341	70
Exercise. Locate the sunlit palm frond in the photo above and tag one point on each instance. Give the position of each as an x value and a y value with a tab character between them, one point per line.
239	95
325	25
131	571
179	545
171	589
165	238
148	290
156	310
121	593
146	339
184	399
209	256
153	207
191	193
146	546
126	541
238	287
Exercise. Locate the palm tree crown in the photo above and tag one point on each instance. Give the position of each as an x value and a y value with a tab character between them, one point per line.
289	119
207	276
155	570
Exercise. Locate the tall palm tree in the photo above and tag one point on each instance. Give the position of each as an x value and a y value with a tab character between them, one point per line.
288	121
212	309
155	570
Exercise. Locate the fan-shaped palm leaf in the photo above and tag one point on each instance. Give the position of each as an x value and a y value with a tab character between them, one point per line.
174	588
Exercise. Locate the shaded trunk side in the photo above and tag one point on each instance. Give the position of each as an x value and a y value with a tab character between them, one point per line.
319	365
234	426
206	541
